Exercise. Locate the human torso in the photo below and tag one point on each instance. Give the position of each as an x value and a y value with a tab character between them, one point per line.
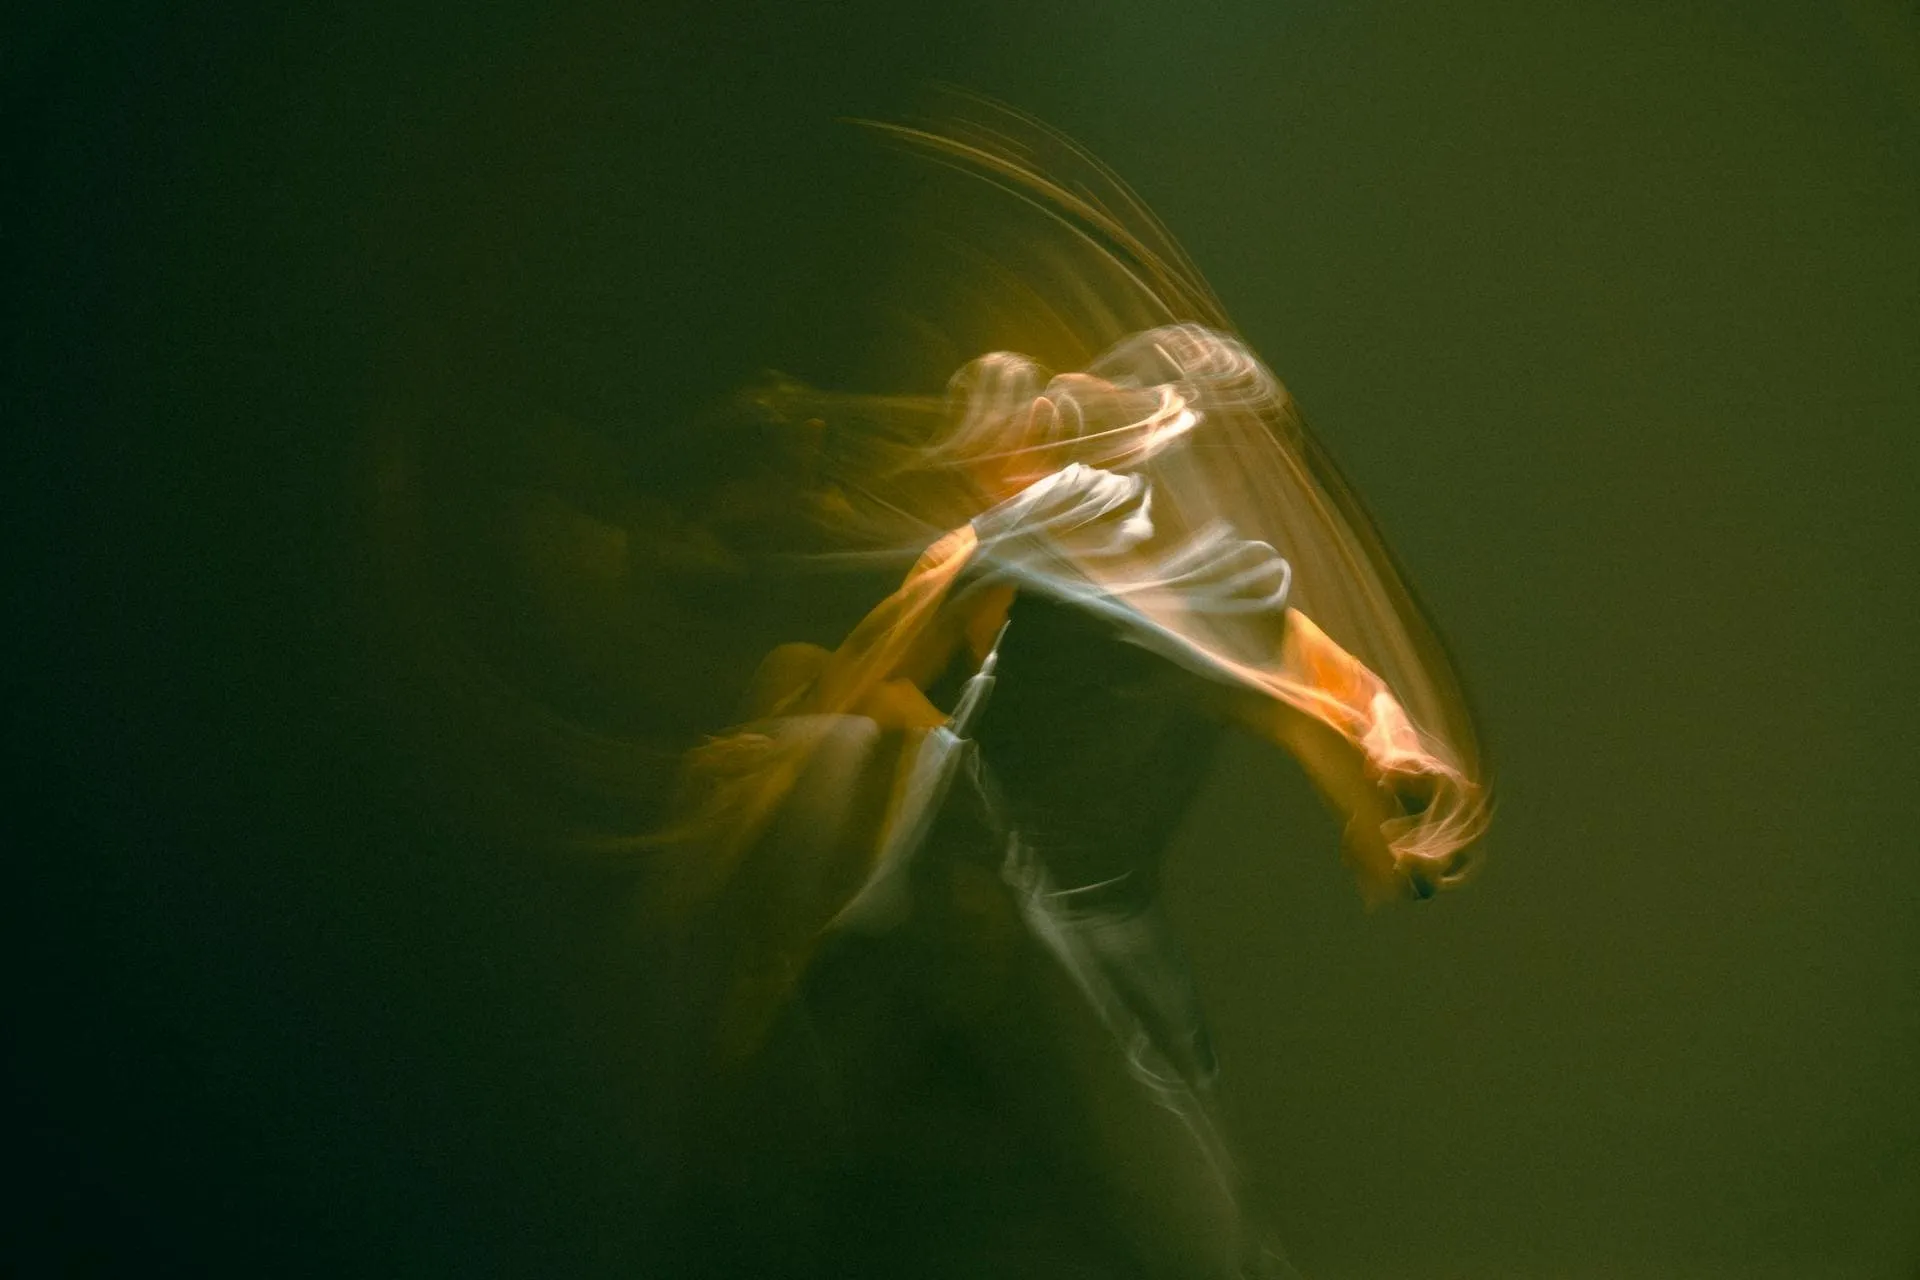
1096	746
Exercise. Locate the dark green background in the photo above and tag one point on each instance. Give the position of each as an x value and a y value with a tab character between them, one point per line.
1610	310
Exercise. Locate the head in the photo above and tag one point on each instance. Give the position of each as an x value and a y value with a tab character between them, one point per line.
1012	423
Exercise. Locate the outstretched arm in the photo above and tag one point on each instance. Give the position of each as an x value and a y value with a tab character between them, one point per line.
1362	753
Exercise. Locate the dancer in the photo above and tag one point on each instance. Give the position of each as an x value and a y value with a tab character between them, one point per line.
1131	559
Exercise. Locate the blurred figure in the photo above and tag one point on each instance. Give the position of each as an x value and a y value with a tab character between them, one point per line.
951	825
